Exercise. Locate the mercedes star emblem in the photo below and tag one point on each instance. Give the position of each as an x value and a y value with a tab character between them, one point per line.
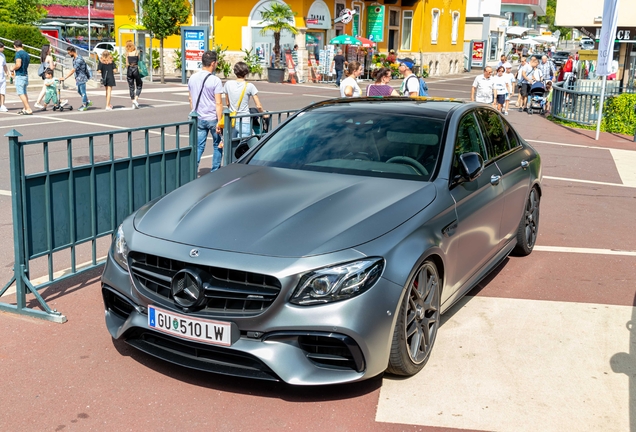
194	253
187	288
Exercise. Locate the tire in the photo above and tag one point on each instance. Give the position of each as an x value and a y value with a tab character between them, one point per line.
529	225
417	322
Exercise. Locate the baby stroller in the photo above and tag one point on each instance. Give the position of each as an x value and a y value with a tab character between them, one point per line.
537	98
61	105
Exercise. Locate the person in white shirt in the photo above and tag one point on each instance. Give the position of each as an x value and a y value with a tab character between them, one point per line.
482	90
349	86
511	80
410	84
502	61
501	90
4	71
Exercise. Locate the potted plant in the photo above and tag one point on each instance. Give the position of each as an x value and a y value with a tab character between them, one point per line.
277	19
253	62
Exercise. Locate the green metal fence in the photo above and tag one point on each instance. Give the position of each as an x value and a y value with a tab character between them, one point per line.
77	190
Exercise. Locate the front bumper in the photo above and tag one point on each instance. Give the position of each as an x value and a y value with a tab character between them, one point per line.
333	343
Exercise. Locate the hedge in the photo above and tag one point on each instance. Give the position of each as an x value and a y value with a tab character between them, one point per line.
29	35
618	114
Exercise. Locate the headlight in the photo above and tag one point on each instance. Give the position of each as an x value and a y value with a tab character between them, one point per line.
120	248
338	283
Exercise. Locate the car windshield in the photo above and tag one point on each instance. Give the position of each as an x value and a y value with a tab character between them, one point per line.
369	141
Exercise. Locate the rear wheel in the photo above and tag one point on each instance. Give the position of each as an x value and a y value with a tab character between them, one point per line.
417	322
529	225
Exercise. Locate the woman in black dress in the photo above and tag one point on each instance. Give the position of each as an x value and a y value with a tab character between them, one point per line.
107	68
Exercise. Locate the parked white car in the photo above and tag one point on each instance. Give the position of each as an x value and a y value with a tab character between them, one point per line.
103	46
586	43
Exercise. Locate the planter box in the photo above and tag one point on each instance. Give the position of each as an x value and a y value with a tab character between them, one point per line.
275	75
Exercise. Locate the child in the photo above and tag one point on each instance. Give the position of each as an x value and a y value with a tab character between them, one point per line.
548	105
51	89
107	68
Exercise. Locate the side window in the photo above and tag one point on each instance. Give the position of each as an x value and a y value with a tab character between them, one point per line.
494	134
469	138
512	136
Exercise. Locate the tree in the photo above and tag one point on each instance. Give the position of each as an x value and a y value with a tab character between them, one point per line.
550	13
164	18
25	11
277	20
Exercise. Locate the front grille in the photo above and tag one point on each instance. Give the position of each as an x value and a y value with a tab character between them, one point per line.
335	351
227	291
201	357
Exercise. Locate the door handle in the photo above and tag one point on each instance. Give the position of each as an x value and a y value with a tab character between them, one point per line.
525	164
494	179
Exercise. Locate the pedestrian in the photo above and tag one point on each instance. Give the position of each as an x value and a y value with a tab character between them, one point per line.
552	50
511	80
483	87
530	74
21	72
550	90
391	58
205	93
4	71
82	75
50	85
522	65
381	87
502	61
135	84
349	86
107	69
568	67
46	62
501	90
237	96
524	51
547	68
338	64
410	87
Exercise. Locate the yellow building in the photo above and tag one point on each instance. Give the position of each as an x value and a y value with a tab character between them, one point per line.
429	31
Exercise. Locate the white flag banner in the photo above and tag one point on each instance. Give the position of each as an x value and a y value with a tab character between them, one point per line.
608	34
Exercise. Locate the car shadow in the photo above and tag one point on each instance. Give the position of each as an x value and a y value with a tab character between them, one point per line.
247	386
625	363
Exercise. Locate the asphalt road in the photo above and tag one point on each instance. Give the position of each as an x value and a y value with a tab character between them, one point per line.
548	342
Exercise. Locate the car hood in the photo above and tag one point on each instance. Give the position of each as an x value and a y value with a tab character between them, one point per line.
282	212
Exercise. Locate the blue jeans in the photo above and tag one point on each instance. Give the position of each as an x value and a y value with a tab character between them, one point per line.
81	89
203	128
338	76
242	129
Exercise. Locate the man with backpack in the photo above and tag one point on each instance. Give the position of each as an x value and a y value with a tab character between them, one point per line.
82	75
412	86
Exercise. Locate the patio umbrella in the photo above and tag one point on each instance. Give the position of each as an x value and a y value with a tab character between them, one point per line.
546	39
516	30
74	24
54	23
367	43
95	25
520	41
345	40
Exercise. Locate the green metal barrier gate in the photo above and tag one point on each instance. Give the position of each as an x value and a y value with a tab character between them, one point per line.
57	209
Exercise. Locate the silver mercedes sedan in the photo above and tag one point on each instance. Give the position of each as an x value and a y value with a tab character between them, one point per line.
327	253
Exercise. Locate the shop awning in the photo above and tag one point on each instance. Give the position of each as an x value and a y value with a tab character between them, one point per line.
516	30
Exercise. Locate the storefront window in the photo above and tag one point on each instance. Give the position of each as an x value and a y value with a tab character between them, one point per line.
455	27
434	25
202	12
407	23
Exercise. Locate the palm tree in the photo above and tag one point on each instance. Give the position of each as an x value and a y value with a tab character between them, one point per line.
277	19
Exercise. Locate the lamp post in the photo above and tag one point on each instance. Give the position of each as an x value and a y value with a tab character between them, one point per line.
89	29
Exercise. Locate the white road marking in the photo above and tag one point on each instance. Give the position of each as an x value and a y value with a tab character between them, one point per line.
275	93
30	124
320	96
625	161
578	250
521	365
588	181
567	145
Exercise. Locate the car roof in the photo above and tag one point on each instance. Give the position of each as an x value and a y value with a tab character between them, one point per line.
437	108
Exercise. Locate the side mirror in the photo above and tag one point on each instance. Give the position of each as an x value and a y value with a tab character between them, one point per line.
472	165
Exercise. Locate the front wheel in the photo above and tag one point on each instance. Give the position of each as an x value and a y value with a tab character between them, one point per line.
529	225
417	322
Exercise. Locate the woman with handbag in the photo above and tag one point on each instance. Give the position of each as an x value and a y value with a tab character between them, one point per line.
238	93
133	75
46	62
107	69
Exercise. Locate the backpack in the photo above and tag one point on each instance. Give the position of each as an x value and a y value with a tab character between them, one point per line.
423	87
88	71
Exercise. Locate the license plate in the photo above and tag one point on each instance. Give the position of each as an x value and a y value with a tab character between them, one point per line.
199	330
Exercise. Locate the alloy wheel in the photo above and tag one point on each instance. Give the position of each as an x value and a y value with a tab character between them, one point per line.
422	313
532	218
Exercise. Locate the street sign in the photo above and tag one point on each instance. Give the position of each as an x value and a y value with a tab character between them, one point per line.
194	42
